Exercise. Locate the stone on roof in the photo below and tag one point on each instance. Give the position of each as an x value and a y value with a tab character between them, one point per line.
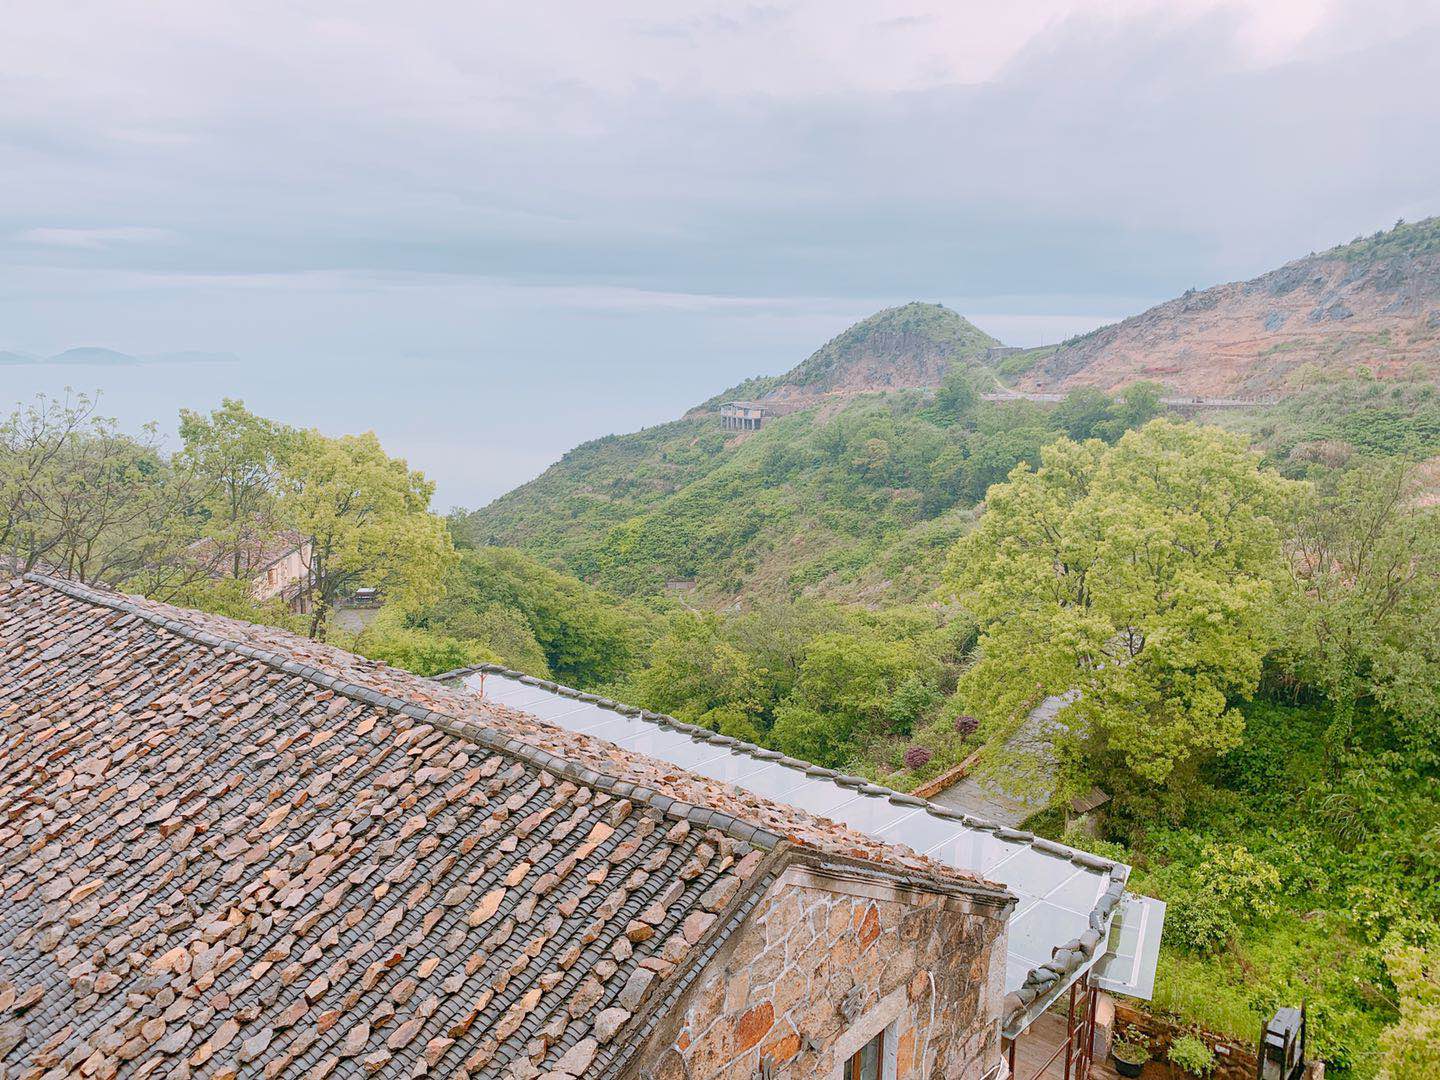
228	849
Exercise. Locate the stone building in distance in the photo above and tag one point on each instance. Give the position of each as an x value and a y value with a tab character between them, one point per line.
232	852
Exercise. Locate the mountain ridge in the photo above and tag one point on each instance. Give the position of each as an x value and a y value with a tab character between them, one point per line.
861	473
908	346
1371	304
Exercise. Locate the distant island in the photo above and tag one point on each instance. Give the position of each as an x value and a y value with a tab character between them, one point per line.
98	356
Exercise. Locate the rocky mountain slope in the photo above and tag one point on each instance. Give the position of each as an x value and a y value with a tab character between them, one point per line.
905	347
909	346
1373	303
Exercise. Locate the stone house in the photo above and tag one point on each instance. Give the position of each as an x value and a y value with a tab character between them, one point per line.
277	565
229	851
283	570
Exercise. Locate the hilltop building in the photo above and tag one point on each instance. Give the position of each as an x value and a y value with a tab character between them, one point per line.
743	415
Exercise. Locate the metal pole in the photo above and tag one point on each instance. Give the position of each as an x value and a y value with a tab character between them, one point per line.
1070	1034
1090	1038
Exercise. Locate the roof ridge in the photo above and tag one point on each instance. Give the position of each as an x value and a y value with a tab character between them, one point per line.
473	731
861	784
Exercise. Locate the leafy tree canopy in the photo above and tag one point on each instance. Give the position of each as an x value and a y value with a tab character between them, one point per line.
366	518
588	636
1362	619
1142	576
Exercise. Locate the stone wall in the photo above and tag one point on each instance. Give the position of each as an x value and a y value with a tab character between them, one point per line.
1233	1060
828	959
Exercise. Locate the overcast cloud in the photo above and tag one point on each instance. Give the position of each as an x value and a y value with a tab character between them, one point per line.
490	230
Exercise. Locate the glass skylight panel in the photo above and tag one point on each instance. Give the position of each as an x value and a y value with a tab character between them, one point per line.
972	849
494	688
1134	947
692	753
872	813
757	766
822	797
922	832
1038	929
589	719
559	711
1035	871
524	697
611	727
654	741
727	767
775	782
1080	892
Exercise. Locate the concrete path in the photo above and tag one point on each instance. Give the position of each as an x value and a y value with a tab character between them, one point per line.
985	799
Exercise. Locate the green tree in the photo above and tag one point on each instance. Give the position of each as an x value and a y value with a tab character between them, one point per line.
80	498
957	396
1143	576
1363	613
365	516
776	635
391	640
238	459
1410	1050
589	636
1139	404
694	670
1083	412
847	686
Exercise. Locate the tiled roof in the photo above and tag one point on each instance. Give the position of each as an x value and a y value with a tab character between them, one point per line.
225	849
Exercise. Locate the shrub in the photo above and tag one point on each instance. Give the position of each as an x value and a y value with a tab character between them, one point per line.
965	726
1228	888
1410	1046
917	757
1190	1054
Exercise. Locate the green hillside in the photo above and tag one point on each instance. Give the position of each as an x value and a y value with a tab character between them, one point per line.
813	501
855	498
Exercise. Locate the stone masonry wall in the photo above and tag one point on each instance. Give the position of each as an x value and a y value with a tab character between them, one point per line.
825	962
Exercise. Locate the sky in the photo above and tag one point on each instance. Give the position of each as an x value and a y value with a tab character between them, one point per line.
491	231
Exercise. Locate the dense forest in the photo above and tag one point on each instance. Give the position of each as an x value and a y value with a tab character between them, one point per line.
1248	612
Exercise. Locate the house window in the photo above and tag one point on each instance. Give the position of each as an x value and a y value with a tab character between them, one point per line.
868	1063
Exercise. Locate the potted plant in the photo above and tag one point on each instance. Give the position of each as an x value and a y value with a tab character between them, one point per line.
1191	1055
1130	1053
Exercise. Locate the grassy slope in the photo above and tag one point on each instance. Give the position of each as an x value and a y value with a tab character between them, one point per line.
784	510
773	513
1348	841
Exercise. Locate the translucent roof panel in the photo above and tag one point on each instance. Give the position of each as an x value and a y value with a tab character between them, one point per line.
870	814
1129	965
774	782
1056	893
